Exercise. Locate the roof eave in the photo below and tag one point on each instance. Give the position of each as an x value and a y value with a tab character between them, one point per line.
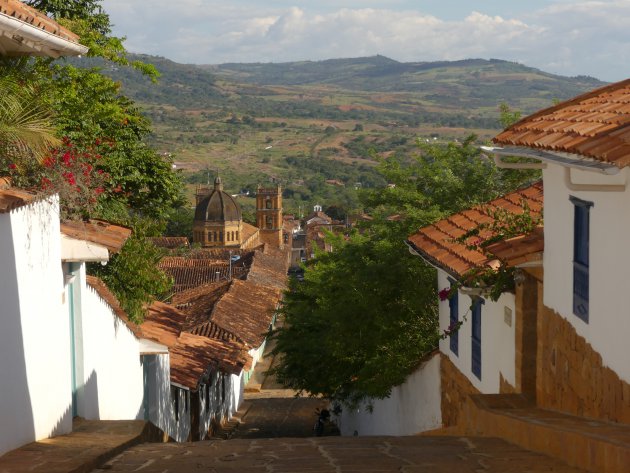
414	250
569	160
36	41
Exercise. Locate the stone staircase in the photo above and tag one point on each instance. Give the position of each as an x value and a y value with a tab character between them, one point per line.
593	445
227	429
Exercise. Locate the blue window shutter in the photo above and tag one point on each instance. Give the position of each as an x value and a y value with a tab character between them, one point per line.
453	304
581	236
476	337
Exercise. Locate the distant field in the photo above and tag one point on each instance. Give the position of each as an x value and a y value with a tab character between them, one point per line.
303	123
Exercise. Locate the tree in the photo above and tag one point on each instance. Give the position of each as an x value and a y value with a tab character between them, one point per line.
352	330
367	313
101	166
26	128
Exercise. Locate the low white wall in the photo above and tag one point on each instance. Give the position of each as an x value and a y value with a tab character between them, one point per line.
497	339
111	383
413	407
35	391
608	328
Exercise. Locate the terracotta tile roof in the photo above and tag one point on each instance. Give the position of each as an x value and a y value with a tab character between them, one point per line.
247	310
198	304
113	237
11	199
269	267
163	324
170	242
22	12
110	299
194	356
520	249
189	271
595	125
437	242
191	356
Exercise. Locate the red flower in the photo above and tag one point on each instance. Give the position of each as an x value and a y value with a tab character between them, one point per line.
49	161
69	177
12	166
67	158
46	183
99	190
444	293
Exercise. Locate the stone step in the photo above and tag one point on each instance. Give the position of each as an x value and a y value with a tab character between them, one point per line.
594	445
227	429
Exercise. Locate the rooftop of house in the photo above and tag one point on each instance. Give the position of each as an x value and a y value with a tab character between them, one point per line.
594	125
269	267
100	232
191	271
12	199
247	310
522	249
170	243
26	31
438	244
191	355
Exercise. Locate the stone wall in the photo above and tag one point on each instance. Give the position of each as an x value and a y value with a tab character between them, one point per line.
570	374
455	390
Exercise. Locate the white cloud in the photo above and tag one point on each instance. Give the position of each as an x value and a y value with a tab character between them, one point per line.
588	37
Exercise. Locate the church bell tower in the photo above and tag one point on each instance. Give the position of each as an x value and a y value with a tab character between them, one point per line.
269	214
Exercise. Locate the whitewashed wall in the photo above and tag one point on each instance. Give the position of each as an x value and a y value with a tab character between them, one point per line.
111	380
608	329
158	391
412	407
35	389
497	339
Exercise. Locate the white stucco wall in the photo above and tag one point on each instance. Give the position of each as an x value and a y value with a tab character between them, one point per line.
608	329
497	339
35	390
412	407
111	378
158	392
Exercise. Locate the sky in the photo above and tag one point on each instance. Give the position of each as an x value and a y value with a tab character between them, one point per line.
566	37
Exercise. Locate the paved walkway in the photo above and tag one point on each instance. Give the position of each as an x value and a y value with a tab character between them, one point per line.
89	445
336	455
273	411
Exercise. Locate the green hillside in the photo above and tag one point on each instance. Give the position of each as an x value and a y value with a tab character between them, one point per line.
303	123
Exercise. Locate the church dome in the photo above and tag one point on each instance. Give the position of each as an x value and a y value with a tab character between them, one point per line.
218	206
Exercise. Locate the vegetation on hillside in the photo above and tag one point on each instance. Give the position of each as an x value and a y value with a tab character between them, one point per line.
260	122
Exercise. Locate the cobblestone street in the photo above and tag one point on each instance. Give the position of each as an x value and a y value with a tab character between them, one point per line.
276	436
336	455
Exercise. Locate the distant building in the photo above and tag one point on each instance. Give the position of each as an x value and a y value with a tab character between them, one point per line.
218	221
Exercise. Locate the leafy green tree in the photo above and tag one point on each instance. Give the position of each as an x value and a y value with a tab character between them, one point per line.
132	274
367	312
359	323
507	116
